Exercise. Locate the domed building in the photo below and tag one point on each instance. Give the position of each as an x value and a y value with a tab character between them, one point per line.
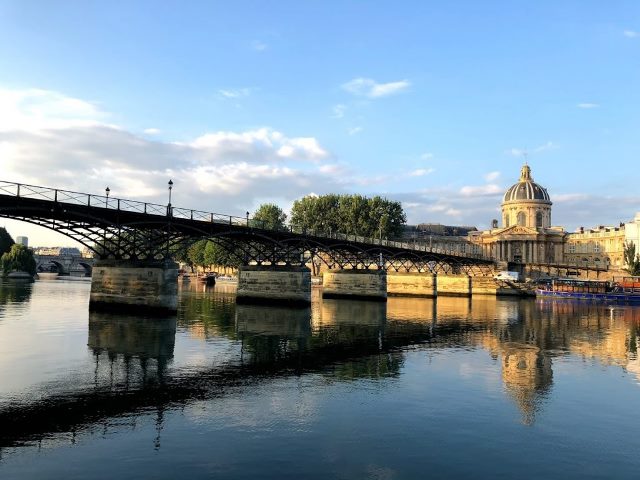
526	203
526	234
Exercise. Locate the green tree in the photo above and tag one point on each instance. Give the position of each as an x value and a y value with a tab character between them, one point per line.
270	216
196	253
350	214
18	259
5	241
631	258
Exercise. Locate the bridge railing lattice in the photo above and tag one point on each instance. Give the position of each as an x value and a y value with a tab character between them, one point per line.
111	203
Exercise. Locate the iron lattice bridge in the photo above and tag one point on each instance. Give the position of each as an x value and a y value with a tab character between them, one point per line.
131	230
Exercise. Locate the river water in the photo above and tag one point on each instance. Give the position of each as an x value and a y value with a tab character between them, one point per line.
414	388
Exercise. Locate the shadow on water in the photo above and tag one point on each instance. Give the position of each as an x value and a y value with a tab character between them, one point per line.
344	339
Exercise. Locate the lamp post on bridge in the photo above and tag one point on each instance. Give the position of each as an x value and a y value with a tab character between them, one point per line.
247	218
169	204
107	191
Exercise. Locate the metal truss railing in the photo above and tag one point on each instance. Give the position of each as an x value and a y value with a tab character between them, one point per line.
21	190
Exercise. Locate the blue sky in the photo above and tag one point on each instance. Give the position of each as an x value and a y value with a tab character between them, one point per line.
430	103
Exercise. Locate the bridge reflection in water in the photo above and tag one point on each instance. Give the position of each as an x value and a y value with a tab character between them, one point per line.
347	340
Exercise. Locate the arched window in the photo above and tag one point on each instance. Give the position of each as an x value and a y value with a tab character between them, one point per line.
539	220
522	219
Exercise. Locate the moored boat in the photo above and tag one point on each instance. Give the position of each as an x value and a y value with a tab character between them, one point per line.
208	279
624	290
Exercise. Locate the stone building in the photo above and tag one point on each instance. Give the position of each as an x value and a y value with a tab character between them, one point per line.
526	234
602	246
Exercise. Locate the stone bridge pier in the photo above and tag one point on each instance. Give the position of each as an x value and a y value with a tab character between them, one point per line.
357	284
274	284
135	286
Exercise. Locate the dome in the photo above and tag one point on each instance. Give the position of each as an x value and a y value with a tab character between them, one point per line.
526	189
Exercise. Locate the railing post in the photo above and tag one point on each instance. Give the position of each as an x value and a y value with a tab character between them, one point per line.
18	191
88	200
191	214
55	195
230	220
118	204
145	207
211	217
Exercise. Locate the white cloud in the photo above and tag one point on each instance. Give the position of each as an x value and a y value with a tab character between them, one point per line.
354	130
546	146
492	176
33	109
49	139
261	144
421	172
151	131
366	87
588	105
234	92
570	197
520	152
259	46
427	156
481	190
338	110
631	34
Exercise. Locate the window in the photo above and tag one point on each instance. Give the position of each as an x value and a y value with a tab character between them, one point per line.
522	219
596	247
572	248
539	220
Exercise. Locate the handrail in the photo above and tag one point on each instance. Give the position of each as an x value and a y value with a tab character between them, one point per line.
23	190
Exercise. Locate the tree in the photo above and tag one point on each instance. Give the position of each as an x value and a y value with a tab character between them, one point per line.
18	259
631	258
269	216
196	253
5	241
350	214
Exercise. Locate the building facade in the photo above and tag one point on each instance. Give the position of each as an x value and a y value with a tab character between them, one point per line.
602	246
526	234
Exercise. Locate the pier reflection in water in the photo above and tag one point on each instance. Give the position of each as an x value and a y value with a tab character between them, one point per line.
131	349
455	365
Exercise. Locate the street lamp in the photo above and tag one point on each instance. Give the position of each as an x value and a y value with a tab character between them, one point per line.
169	212
247	219
107	191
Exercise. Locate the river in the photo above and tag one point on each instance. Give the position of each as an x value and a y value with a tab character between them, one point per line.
414	388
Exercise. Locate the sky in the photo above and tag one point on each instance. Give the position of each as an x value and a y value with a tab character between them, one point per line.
239	103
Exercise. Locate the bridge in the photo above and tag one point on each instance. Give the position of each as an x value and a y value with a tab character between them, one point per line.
134	241
73	265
